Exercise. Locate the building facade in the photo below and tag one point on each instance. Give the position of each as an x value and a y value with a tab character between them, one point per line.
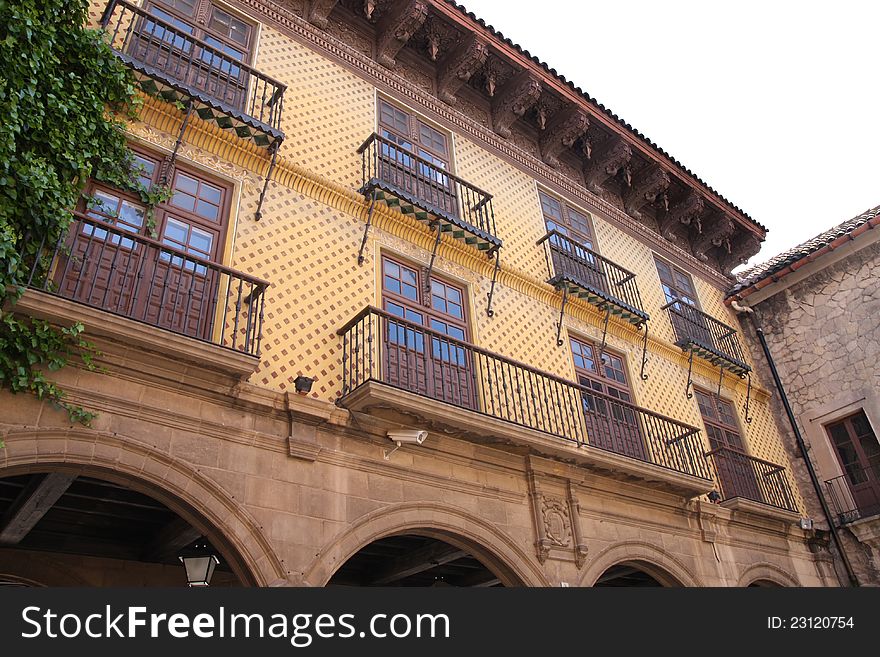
390	222
817	306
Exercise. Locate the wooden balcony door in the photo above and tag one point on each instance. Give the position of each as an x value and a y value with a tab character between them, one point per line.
142	280
734	468
610	426
434	364
575	225
421	177
186	60
687	322
858	452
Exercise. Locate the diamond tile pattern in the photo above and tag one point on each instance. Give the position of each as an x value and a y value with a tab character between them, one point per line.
308	251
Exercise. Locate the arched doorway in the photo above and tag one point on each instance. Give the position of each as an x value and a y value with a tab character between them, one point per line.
60	528
764	584
635	574
414	560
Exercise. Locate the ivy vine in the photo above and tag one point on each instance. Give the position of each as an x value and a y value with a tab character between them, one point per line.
64	99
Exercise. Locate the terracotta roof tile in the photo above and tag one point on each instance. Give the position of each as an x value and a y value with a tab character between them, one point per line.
779	262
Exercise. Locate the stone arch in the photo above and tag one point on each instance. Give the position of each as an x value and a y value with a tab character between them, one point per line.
657	562
39	578
140	466
769	572
447	523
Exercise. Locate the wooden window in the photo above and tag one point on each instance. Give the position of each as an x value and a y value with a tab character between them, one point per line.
130	277
720	420
412	133
444	371
192	64
676	283
736	471
858	452
568	221
609	426
424	176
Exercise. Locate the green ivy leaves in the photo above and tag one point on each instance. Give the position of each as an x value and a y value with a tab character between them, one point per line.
64	97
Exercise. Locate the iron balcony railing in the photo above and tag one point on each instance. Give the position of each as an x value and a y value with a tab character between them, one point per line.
394	174
744	476
592	276
381	347
173	64
107	267
703	334
855	494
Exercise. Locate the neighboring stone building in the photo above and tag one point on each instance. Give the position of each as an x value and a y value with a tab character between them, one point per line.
818	305
455	240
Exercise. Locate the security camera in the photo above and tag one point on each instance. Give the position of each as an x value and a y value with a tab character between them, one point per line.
412	436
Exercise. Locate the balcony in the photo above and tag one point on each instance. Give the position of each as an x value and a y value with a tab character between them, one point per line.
174	65
741	476
421	188
705	336
106	267
583	273
856	494
390	364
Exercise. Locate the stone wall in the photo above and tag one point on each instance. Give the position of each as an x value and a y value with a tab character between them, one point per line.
824	334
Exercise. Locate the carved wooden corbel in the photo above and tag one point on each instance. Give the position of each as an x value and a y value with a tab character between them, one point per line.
458	66
318	11
566	127
716	231
606	161
397	26
518	95
742	247
685	213
647	185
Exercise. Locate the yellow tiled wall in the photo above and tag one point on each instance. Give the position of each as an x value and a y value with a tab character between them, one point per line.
306	246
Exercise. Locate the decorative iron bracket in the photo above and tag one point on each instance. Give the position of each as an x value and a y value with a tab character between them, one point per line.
559	341
259	213
748	398
489	311
690	383
169	165
642	374
604	333
367	227
431	263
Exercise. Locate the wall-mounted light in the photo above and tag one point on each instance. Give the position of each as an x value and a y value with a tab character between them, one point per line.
199	562
303	384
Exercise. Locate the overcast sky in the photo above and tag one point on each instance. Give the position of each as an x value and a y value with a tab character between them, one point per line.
773	103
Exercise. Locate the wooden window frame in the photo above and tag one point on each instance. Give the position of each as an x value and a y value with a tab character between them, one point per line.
206	7
574	234
720	424
421	304
163	209
600	375
674	284
847	422
413	132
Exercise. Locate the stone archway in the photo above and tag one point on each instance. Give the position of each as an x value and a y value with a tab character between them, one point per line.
446	524
766	574
139	466
639	557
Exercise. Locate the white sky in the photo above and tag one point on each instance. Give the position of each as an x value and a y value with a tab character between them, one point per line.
773	103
